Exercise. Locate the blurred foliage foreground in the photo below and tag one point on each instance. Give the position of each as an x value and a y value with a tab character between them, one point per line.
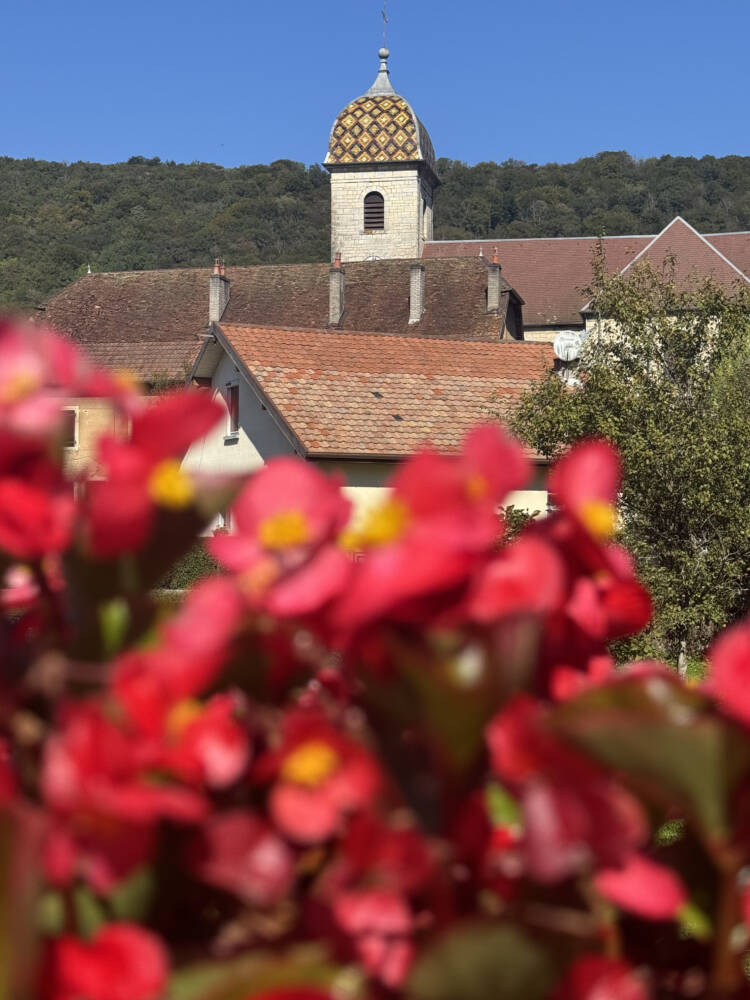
390	761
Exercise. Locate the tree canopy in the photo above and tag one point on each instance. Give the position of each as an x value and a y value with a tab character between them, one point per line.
57	218
665	378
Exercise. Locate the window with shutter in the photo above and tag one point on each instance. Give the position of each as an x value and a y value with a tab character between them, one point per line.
70	428
233	406
374	211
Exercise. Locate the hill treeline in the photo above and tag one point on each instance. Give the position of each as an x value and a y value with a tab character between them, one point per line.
56	218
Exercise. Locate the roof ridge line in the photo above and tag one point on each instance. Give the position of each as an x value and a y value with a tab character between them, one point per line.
679	218
358	334
550	239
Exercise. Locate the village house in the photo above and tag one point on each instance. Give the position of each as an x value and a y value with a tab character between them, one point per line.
402	340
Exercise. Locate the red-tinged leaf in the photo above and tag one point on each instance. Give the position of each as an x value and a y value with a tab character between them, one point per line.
666	739
594	977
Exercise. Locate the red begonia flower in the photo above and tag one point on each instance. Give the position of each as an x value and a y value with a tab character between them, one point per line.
91	766
376	853
573	812
8	781
594	977
643	887
204	742
526	577
321	776
101	851
39	370
584	482
566	682
36	504
241	853
428	536
192	647
729	674
286	520
145	471
121	962
379	923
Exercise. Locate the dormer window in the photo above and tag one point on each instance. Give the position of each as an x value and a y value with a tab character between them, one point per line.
374	211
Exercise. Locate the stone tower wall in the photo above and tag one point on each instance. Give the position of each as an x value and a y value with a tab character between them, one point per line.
407	221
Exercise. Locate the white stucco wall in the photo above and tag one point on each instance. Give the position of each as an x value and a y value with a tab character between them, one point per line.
258	439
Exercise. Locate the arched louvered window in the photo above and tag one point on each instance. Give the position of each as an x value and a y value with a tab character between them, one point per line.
374	211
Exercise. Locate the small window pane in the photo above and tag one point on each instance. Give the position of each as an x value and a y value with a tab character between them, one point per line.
69	429
374	211
233	405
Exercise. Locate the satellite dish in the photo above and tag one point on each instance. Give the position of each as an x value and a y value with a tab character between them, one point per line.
567	345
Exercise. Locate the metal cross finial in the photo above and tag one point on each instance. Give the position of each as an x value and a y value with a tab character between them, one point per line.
385	21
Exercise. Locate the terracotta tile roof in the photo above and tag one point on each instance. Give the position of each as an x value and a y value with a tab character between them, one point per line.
124	306
550	273
369	395
376	297
163	359
695	258
734	246
133	311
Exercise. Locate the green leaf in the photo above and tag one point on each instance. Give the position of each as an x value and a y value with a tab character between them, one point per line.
669	741
483	962
89	912
50	913
114	617
694	922
501	806
132	898
242	977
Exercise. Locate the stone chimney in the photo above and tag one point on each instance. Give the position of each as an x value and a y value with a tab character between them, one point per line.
218	293
416	292
336	292
493	284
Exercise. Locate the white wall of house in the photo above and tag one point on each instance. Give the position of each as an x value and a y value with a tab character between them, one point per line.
259	436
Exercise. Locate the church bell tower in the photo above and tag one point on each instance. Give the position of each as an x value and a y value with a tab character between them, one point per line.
383	178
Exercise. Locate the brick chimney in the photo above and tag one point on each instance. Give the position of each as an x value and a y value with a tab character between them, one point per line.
218	292
336	292
493	284
416	292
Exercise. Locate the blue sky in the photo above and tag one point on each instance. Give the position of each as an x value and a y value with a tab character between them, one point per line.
255	81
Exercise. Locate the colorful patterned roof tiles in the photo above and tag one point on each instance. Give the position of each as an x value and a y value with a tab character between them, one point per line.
379	127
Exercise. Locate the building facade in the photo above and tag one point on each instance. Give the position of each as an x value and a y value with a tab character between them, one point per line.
399	341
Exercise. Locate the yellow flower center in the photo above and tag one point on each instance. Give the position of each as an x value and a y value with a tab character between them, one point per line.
169	486
181	715
284	530
383	524
599	518
19	385
310	763
477	487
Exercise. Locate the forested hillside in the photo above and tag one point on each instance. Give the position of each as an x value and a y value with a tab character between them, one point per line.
56	218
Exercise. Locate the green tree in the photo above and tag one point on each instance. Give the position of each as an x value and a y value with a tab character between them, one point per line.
664	376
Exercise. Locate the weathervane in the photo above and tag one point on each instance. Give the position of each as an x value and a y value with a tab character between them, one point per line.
385	21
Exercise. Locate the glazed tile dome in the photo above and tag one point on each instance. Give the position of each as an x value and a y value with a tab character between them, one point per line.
379	127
